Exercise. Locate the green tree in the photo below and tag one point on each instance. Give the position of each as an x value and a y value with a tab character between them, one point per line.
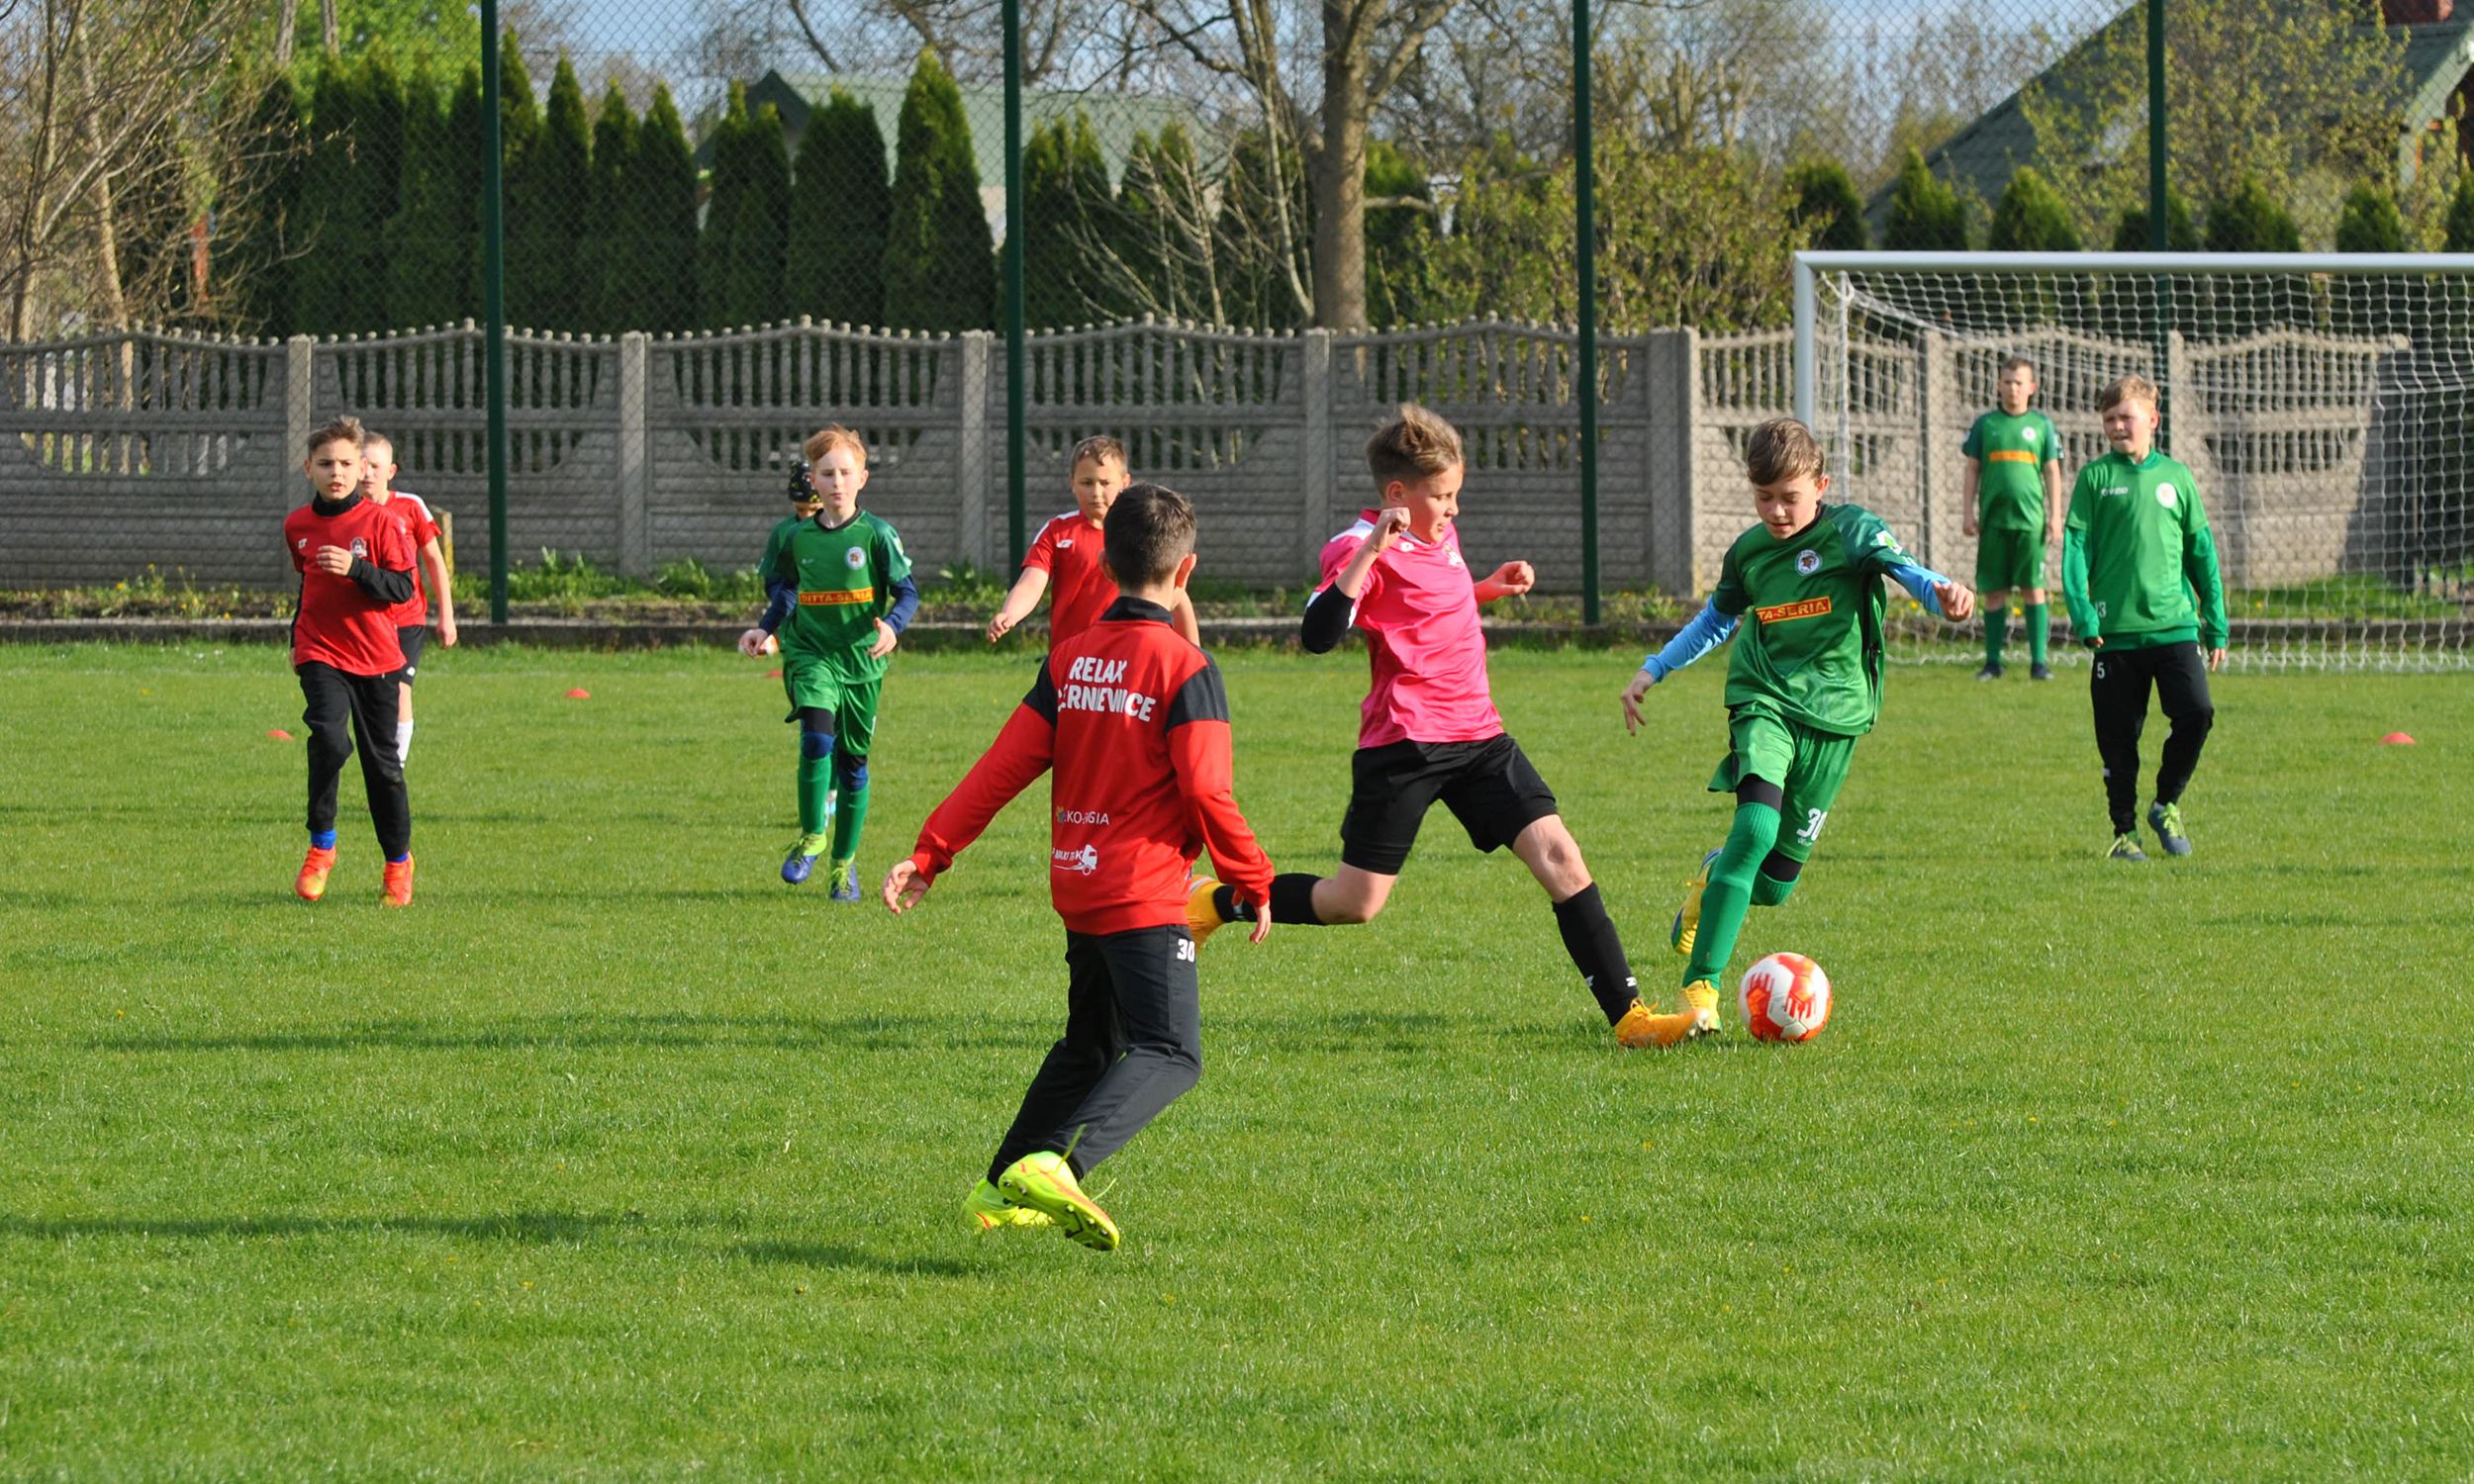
2460	236
2295	96
2369	220
543	281
1162	258
759	224
940	269
2030	217
611	232
1926	213
1400	240
520	199
725	176
249	280
657	278
429	239
1261	238
2249	219
1828	207
439	33
327	263
2130	234
1066	277
840	200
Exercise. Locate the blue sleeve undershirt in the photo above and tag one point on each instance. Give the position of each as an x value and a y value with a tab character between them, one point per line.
1919	581
1708	630
906	603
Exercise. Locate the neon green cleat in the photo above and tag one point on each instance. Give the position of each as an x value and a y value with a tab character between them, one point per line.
988	1210
1045	1183
1687	924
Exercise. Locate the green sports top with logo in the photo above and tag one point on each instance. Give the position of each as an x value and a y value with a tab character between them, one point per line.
2011	454
2139	566
1809	641
774	543
845	577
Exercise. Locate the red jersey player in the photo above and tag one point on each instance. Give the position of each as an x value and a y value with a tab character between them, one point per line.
1134	721
355	561
1428	729
412	615
1066	555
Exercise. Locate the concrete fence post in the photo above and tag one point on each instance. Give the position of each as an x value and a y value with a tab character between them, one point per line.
1673	371
975	467
635	456
300	392
1315	388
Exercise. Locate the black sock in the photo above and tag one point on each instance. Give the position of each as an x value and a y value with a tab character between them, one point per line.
1292	900
1589	937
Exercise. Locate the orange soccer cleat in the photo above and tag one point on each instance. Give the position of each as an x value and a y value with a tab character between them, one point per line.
310	884
397	889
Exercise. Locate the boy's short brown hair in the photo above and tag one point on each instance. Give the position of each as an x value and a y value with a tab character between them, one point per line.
2012	364
1415	444
831	437
344	429
2125	389
1780	449
1099	449
1149	530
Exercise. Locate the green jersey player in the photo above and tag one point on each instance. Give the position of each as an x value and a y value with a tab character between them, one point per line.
2139	569
2014	510
842	594
1804	683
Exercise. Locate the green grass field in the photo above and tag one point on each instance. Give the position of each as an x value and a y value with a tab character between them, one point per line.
615	1158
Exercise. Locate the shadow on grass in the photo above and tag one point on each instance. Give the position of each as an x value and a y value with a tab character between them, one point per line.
825	1255
611	1031
511	1226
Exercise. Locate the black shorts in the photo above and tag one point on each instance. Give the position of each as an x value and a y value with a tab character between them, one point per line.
410	638
1490	787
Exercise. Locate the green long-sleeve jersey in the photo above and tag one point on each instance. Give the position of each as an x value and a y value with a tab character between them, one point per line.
1810	645
2138	567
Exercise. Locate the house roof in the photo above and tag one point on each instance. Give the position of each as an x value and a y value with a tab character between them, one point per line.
1982	157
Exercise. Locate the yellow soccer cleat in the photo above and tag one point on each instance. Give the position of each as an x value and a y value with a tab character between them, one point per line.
1687	922
1045	1183
1203	919
988	1210
1645	1026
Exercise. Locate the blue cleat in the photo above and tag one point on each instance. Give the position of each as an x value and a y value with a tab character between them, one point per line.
802	861
846	883
2167	820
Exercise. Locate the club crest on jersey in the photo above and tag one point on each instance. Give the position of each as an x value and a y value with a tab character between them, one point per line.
2028	433
2164	496
1808	561
302	543
854	558
360	548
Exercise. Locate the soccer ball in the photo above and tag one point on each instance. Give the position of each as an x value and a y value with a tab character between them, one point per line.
1785	998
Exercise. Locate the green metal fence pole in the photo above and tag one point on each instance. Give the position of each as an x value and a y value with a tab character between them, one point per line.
1017	537
494	305
1585	211
2158	239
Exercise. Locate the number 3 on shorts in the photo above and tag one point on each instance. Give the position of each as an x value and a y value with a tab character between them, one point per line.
1813	821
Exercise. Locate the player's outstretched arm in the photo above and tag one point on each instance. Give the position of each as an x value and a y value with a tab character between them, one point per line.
1020	599
1706	630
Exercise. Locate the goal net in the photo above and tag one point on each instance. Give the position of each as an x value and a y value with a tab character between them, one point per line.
2325	406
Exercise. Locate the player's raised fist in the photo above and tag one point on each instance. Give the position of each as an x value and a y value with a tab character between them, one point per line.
1959	600
1513	579
1389	525
754	643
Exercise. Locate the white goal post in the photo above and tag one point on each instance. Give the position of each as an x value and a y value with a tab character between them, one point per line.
2325	402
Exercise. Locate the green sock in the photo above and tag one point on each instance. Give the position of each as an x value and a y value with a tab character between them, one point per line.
1996	629
815	795
2037	626
1730	890
849	814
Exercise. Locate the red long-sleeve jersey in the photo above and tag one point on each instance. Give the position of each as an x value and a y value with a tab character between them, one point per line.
1134	722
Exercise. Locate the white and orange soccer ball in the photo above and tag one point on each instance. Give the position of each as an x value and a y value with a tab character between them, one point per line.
1785	998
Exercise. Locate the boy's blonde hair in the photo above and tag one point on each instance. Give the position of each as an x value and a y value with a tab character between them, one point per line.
1415	444
1099	449
372	442
1780	449
831	437
344	429
2126	388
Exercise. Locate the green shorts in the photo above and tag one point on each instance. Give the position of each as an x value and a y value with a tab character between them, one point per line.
1808	766
2010	559
812	682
